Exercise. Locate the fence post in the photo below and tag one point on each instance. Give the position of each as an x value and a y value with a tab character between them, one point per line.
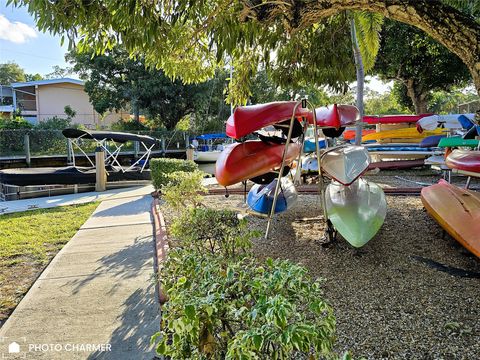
163	146
136	148
69	152
190	152
26	145
101	175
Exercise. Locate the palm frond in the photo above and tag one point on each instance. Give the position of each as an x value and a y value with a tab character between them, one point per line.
368	26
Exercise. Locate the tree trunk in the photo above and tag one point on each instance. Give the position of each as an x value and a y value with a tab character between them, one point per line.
360	80
418	97
458	32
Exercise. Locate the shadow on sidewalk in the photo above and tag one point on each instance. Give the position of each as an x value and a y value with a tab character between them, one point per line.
133	207
140	319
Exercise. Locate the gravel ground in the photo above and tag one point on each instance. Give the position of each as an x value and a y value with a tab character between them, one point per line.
388	305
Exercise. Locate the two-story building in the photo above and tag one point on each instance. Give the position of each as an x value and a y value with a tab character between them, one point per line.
44	99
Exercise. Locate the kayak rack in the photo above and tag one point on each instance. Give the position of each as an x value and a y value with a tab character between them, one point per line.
329	231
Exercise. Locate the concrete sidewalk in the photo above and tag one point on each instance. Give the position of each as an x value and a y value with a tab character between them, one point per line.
97	290
7	207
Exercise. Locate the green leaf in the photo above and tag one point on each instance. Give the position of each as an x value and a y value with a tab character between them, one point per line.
190	312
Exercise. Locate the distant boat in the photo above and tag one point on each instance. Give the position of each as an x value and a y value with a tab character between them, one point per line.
209	146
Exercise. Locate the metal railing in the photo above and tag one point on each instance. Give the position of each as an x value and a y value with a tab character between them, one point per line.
26	143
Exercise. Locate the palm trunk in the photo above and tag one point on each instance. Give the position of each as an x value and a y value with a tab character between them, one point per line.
360	80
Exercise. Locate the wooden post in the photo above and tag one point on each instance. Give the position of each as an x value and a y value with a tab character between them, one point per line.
101	175
26	145
190	151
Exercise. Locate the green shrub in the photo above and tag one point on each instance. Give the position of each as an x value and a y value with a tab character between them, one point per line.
128	125
14	123
183	189
54	123
215	231
240	310
163	166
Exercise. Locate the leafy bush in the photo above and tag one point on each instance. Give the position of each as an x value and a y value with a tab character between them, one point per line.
239	310
128	125
54	123
17	122
184	189
163	166
225	304
215	231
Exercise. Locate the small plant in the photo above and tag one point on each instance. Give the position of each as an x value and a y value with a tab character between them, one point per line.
213	231
183	189
160	168
241	310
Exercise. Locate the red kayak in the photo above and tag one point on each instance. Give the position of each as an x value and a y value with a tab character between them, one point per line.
247	119
336	116
243	161
466	160
393	119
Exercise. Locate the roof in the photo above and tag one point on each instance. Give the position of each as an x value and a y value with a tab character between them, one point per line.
47	82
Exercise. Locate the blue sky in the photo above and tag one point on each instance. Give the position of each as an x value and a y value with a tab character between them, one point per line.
21	42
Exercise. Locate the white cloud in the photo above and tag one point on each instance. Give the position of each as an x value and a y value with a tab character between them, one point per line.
16	32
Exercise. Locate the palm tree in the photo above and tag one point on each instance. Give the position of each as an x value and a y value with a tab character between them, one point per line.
365	30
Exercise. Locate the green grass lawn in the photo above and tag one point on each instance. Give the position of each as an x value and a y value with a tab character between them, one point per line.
28	241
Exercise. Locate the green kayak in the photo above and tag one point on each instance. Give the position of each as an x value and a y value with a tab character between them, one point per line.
457	141
356	211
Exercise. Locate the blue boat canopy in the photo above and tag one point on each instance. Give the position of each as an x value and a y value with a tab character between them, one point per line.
212	136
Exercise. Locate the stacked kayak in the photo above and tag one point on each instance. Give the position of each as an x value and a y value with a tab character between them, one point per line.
457	211
450	121
242	161
464	161
404	135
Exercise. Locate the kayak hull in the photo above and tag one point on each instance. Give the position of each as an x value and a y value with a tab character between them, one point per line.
431	141
392	119
465	160
242	161
455	210
336	116
405	133
450	121
260	197
345	163
456	141
356	211
247	119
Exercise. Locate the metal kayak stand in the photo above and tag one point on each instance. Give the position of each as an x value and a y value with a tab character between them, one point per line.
330	232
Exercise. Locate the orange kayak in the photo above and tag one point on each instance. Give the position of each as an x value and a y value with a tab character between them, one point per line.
457	211
243	161
350	134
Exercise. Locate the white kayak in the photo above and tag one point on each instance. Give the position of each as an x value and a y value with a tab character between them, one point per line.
356	211
345	163
450	121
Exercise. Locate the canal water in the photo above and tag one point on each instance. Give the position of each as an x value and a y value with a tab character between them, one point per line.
209	168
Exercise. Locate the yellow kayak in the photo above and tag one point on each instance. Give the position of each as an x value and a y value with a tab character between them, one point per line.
405	133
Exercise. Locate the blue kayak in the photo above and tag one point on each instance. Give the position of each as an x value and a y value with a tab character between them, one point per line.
309	145
260	197
431	141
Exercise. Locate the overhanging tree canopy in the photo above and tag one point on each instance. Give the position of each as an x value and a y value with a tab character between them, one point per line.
189	39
